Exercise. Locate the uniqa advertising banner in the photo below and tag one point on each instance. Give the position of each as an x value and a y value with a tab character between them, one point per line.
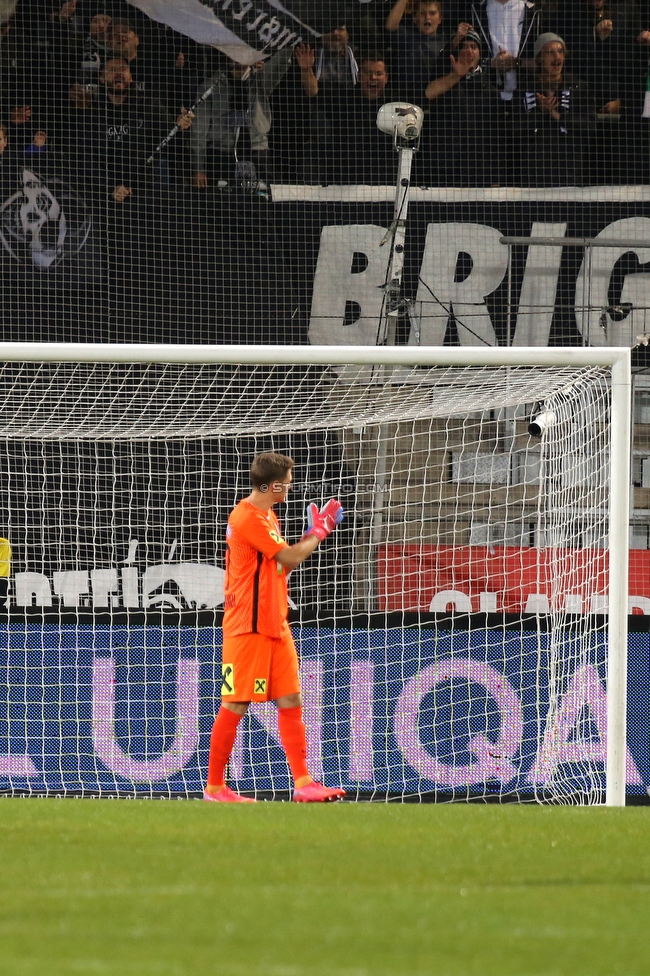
98	708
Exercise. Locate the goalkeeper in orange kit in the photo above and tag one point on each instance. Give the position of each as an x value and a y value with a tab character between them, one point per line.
259	660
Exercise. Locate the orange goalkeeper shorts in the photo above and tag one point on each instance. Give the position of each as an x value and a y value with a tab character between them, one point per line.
259	668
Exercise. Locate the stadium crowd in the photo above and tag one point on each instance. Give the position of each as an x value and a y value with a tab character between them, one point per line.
514	92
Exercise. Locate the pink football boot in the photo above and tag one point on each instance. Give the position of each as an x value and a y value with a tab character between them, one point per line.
317	793
226	795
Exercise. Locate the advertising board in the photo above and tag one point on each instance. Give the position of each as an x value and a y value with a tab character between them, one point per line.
99	708
314	269
503	579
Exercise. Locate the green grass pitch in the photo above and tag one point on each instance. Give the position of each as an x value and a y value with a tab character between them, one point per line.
133	888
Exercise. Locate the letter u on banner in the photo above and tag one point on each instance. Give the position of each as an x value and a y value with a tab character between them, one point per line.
187	725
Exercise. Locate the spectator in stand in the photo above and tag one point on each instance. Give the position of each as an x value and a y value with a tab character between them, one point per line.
122	42
107	147
32	151
304	101
292	105
305	58
509	29
25	82
95	40
159	67
366	24
38	143
557	117
180	57
82	59
642	37
335	63
599	35
121	39
230	137
63	12
293	108
64	23
358	151
111	142
458	140
419	48
642	31
640	97
28	144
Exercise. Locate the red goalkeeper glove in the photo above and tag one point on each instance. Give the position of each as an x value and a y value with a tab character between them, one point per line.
322	523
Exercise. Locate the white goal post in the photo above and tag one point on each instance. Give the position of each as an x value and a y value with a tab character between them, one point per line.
136	410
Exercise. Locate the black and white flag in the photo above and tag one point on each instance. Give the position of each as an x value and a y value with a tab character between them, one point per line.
248	30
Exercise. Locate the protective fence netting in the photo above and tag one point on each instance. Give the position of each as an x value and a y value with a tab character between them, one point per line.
217	175
452	632
126	217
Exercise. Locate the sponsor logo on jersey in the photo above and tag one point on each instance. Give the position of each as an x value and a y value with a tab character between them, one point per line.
227	679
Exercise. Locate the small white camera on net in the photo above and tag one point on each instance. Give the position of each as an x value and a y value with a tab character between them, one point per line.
541	422
401	120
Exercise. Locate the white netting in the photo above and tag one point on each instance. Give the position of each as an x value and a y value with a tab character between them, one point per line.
124	216
107	401
448	631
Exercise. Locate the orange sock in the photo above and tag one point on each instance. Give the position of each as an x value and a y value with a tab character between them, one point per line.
222	740
294	743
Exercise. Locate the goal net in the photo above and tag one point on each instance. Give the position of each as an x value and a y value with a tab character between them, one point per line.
460	636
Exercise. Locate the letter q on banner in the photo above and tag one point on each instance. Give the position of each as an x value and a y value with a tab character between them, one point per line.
493	759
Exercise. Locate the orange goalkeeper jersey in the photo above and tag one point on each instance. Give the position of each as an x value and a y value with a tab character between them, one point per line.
256	584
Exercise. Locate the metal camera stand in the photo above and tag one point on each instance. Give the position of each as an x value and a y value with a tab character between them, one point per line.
395	306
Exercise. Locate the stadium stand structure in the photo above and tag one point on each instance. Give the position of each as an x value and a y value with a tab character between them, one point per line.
157	189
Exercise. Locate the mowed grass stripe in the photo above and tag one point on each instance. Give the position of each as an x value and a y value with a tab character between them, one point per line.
179	888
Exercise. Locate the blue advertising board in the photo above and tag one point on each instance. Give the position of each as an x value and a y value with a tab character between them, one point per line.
101	708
